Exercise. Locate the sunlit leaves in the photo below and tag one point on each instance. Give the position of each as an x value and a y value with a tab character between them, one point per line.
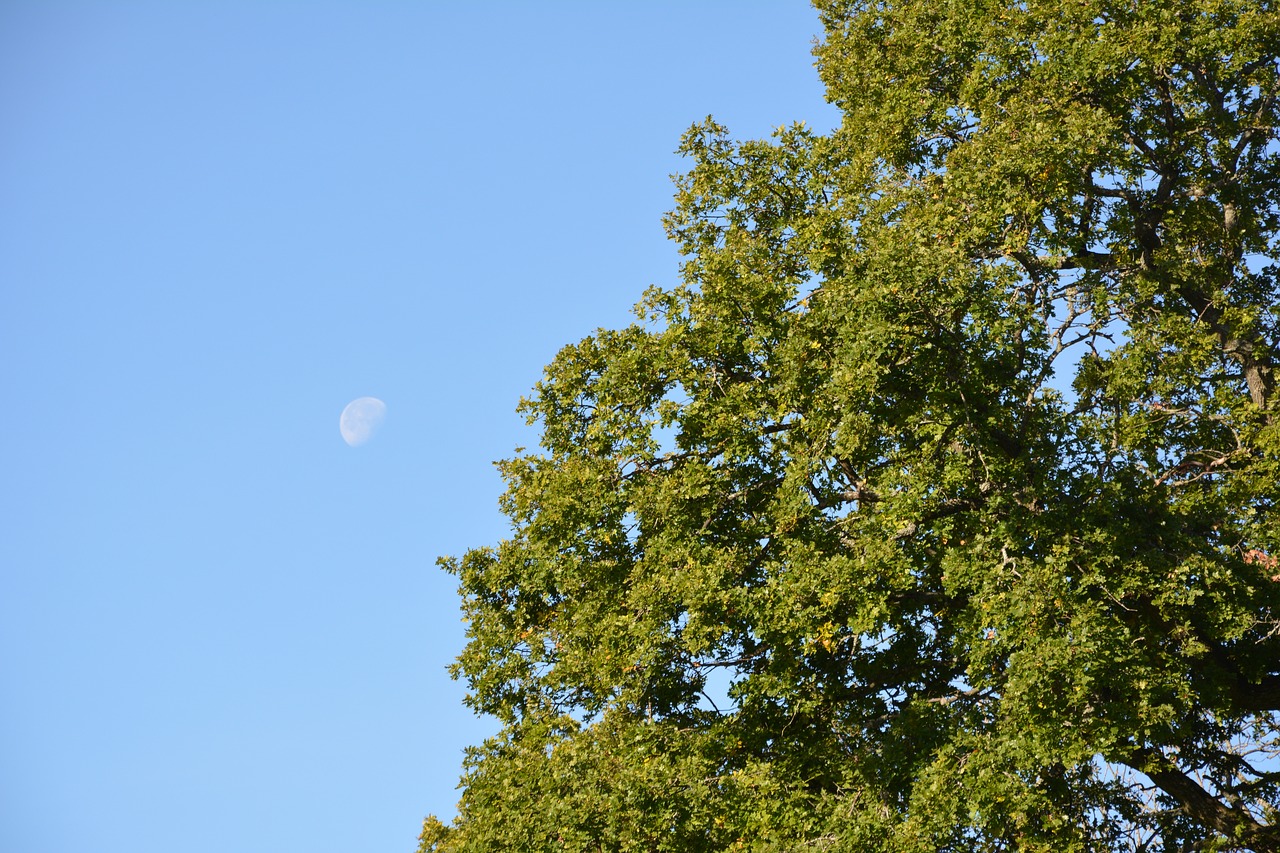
935	507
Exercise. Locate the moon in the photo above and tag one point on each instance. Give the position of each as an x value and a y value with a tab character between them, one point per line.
360	419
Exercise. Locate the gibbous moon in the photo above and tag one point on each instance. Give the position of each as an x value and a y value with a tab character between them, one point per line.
360	419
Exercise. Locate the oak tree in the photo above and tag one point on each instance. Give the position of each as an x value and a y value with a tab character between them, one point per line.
935	508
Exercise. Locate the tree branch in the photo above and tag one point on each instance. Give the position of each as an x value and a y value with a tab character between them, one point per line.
1200	804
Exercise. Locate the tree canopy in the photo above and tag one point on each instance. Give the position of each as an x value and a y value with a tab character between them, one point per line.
935	507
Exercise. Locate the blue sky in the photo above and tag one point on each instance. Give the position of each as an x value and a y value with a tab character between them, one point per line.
221	628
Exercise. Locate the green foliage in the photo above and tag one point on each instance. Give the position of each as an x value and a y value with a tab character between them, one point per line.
936	507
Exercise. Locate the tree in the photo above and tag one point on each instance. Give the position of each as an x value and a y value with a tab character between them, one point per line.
935	508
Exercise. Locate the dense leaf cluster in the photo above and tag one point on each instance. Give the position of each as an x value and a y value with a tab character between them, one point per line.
936	508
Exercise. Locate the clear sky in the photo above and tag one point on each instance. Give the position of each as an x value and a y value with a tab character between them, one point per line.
221	627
